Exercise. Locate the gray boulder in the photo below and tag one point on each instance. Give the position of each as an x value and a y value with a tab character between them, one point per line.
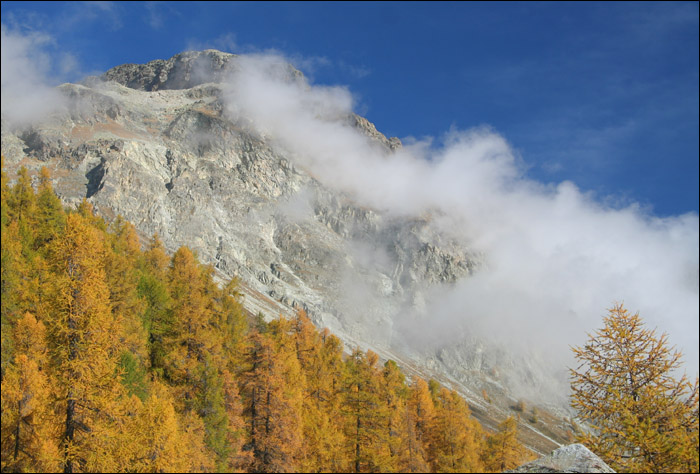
571	458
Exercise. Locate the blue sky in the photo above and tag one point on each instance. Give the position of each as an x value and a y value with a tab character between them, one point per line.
602	94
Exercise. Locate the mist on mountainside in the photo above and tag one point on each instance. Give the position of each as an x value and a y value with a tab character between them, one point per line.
554	256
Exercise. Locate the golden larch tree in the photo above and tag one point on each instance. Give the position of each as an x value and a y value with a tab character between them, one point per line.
423	410
365	413
503	451
320	358
29	427
84	343
643	419
271	386
458	438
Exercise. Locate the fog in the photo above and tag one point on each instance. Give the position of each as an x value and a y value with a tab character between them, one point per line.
555	257
27	90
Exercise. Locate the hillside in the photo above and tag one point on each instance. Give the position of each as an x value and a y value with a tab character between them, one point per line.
159	145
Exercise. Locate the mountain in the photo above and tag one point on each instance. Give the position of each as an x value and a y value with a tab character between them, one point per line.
155	143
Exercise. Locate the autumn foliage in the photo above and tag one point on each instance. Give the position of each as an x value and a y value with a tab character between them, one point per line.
643	419
120	359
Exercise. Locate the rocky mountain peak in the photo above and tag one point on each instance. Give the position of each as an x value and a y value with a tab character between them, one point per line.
182	71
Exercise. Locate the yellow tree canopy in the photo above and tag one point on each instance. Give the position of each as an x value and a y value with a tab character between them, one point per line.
644	419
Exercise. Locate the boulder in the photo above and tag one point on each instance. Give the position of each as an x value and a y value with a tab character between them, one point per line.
571	458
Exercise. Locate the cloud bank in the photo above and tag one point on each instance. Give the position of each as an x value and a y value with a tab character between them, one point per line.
27	89
555	257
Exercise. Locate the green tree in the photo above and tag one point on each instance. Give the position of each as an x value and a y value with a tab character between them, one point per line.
157	317
51	218
644	419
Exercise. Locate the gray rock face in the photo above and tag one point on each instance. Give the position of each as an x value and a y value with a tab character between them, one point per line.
182	71
572	458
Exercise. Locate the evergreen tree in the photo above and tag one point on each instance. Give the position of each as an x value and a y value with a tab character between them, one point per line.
13	267
210	404
188	338
157	317
50	216
121	262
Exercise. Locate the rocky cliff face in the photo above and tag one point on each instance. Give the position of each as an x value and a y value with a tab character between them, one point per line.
151	143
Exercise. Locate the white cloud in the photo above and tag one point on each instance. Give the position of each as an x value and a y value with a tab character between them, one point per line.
27	92
155	15
555	258
226	43
355	71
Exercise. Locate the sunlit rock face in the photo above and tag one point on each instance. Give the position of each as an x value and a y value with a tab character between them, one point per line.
154	144
571	458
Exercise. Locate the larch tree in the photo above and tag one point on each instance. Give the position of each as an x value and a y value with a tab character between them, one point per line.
458	438
423	410
21	202
503	451
159	443
407	452
29	427
84	343
365	414
394	392
188	338
271	385
22	267
643	419
321	362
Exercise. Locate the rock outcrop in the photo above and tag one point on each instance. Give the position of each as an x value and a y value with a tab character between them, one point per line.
571	458
182	71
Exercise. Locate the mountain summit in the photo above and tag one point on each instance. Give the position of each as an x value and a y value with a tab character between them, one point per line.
182	71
